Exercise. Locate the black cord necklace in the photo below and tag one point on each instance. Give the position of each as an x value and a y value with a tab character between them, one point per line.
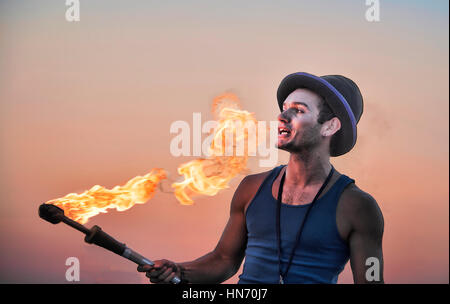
299	233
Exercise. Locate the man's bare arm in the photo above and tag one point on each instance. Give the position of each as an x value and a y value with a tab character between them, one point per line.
224	261
365	239
361	224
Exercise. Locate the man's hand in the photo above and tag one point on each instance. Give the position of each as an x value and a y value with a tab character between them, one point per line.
162	272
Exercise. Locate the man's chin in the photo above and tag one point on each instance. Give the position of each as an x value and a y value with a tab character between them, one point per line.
289	146
286	146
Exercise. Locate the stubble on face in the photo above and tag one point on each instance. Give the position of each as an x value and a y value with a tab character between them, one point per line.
304	126
305	140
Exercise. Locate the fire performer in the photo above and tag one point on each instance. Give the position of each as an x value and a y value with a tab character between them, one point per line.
300	222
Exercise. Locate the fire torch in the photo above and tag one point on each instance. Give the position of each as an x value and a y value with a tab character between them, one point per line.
95	235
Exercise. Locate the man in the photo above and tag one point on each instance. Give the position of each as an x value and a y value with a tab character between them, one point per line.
302	222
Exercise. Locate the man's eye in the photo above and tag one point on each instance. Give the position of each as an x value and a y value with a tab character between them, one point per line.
295	109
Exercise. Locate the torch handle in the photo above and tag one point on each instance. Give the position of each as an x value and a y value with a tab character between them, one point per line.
75	225
136	257
140	260
95	235
100	238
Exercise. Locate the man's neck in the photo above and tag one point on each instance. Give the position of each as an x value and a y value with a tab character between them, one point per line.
307	169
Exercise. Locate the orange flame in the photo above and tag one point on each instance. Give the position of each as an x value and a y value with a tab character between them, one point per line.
138	190
201	176
209	176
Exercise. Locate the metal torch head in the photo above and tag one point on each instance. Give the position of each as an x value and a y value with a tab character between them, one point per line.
51	213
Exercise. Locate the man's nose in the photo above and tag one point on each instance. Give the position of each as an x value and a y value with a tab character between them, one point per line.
284	116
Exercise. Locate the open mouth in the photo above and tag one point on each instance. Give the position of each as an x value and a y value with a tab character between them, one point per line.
284	132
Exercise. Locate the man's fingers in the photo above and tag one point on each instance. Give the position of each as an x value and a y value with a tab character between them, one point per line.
161	275
169	278
165	274
144	268
156	272
160	263
163	271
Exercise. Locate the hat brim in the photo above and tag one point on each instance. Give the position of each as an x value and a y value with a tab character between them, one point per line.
345	138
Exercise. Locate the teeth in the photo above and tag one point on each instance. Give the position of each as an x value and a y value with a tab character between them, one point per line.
284	131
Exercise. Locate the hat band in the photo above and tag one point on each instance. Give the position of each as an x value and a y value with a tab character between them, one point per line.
341	98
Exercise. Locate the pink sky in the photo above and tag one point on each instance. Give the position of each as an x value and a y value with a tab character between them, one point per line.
92	102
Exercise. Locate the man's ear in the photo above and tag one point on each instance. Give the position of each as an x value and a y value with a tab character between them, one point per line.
331	126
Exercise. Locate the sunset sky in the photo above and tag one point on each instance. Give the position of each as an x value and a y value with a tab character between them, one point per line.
91	102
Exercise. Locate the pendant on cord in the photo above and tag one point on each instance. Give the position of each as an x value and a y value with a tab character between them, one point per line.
281	279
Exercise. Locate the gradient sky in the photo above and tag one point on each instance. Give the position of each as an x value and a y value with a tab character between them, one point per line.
91	102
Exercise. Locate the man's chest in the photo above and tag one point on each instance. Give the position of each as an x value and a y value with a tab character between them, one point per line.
295	196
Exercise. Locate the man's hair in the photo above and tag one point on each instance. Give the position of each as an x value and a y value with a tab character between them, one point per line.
325	114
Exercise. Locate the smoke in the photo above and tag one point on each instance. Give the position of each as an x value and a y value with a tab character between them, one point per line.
374	132
165	185
375	125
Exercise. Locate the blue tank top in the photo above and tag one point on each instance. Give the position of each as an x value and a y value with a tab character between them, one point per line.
321	255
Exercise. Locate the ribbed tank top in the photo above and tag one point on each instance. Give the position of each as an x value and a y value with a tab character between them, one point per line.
321	255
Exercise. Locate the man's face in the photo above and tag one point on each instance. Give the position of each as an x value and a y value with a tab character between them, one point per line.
298	129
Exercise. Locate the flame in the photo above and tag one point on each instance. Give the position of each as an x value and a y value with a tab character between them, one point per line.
138	190
201	176
209	176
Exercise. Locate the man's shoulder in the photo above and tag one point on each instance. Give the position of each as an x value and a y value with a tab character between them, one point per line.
359	206
249	186
355	195
251	183
257	178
